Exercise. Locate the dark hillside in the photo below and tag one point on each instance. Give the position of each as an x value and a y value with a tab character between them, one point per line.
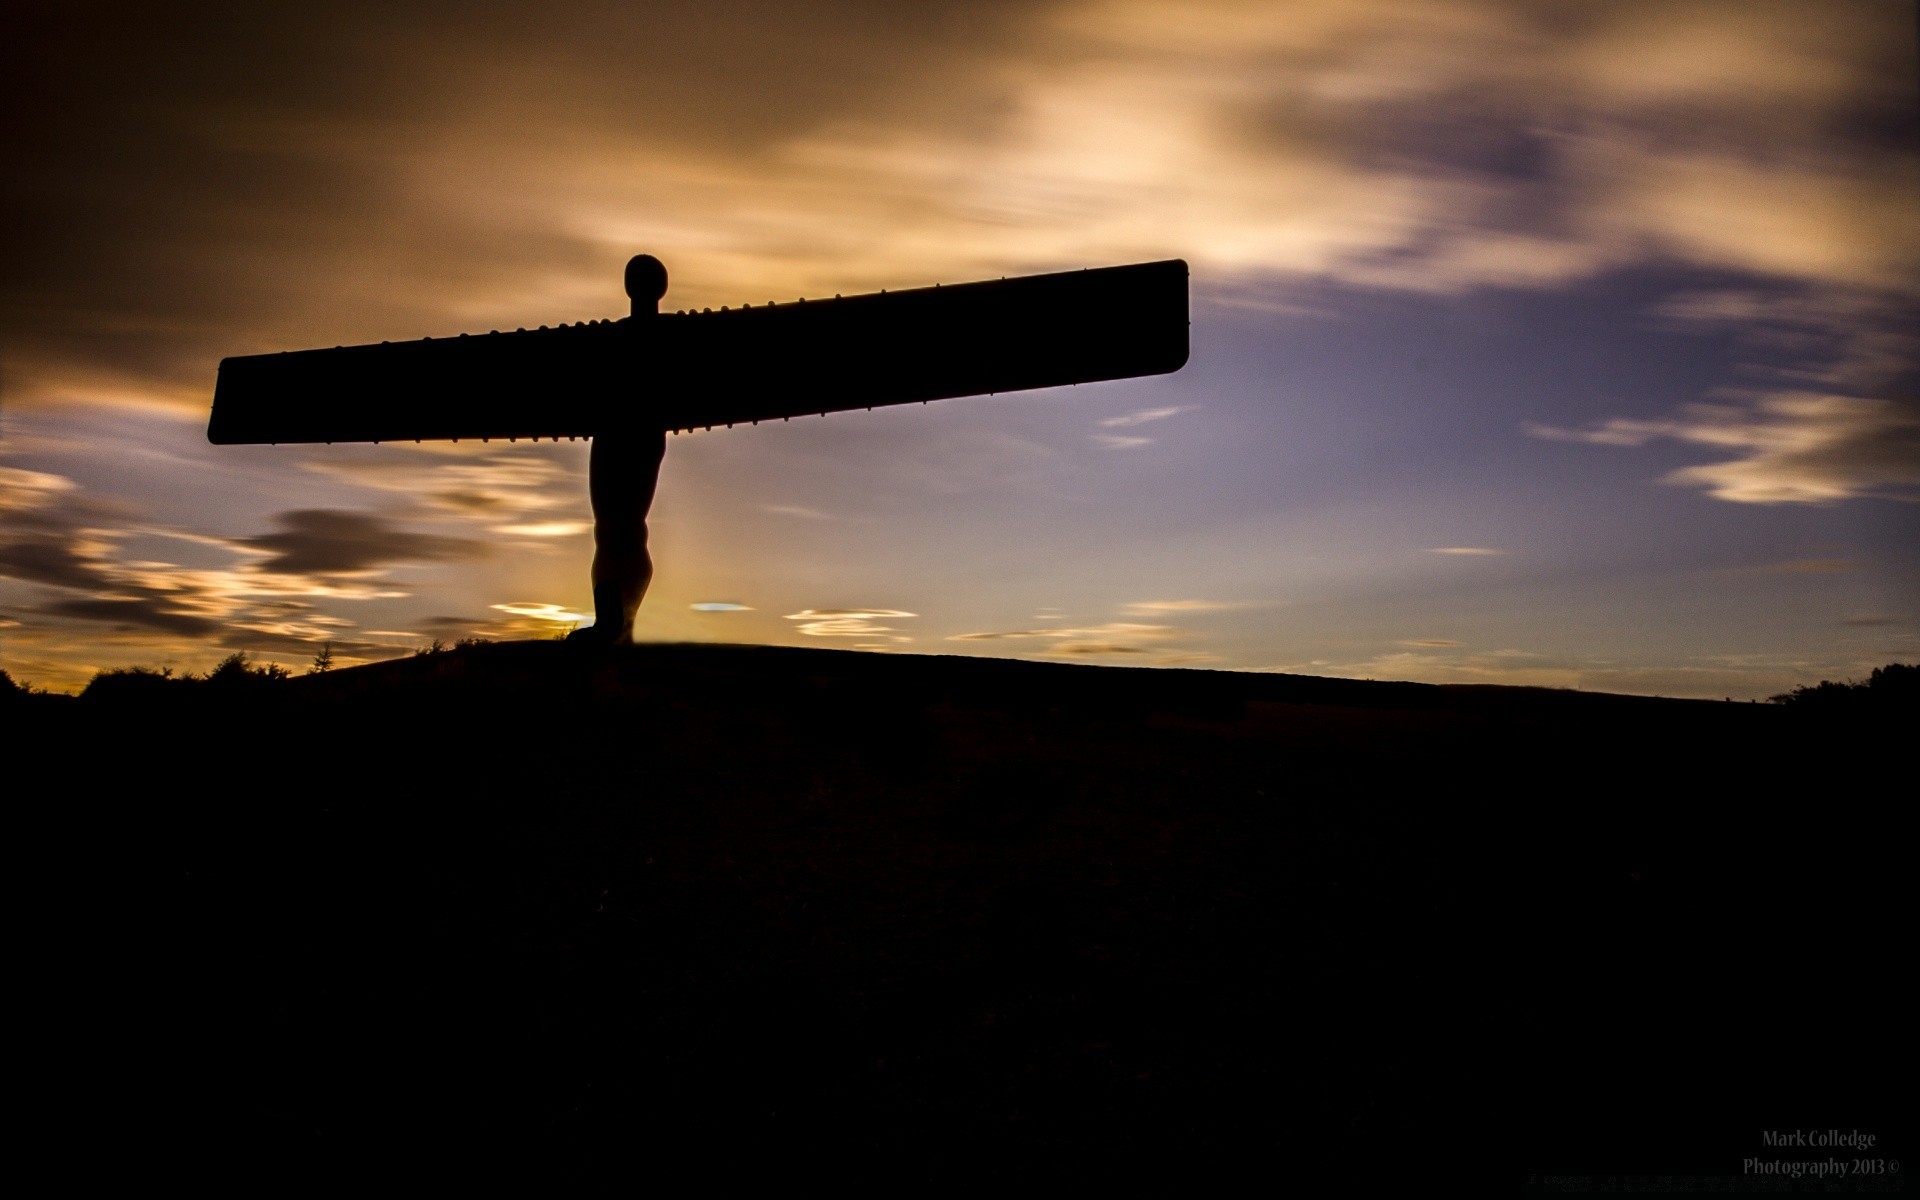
779	914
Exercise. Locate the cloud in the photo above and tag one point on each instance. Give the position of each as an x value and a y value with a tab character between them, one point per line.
1465	551
556	613
719	606
54	539
537	622
163	596
1848	340
545	529
1853	438
1793	447
849	622
1740	676
300	646
1619	431
971	460
1144	415
326	541
1870	622
795	510
134	613
460	480
1009	634
1523	669
1430	643
1113	638
1120	441
1806	566
293	621
22	489
70	560
815	614
408	181
1150	608
1801	220
1422	666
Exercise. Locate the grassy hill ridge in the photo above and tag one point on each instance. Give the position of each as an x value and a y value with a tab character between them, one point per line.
937	920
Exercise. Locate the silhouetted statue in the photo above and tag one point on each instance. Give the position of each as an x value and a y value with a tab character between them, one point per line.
623	471
627	384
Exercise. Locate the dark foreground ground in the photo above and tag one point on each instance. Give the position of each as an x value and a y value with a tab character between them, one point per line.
724	913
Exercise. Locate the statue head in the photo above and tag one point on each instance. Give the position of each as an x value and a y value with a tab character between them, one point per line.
646	283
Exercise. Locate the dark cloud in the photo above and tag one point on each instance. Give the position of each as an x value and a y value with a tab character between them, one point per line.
497	485
1793	447
1852	340
52	538
445	626
473	502
185	603
145	612
187	184
328	541
300	650
178	178
55	561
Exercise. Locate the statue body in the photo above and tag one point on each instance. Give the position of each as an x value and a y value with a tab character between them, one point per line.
623	472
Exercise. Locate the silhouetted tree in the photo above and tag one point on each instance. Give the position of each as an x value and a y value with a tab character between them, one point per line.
323	661
235	670
132	683
1896	685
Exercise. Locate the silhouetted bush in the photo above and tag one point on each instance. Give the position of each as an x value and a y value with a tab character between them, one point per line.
236	671
135	683
438	647
1894	686
17	697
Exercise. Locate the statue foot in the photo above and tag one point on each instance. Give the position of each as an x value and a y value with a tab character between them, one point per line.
599	636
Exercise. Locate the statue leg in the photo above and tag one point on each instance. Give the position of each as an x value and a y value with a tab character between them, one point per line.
623	470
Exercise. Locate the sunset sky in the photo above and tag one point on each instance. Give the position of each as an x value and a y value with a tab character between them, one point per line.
1540	341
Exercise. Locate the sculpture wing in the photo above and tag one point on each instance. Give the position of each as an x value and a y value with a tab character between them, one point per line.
693	370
